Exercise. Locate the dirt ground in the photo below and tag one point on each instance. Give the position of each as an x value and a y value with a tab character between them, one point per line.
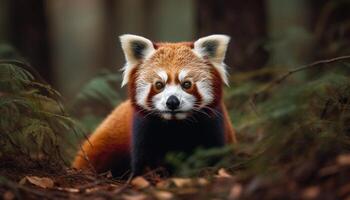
29	179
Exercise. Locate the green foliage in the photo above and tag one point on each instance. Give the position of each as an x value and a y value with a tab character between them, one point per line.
97	99
101	90
32	121
208	161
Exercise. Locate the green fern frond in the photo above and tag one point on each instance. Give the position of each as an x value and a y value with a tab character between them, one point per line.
32	120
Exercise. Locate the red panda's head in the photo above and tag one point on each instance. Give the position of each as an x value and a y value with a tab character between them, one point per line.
174	80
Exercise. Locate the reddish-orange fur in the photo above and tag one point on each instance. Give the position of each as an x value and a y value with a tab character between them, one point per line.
109	142
109	145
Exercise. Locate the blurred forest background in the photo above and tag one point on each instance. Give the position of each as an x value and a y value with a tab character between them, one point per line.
60	77
69	42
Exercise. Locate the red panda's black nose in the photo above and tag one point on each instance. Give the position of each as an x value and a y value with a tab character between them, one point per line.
173	102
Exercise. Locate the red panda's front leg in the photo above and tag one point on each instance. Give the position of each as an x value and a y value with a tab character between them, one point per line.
153	138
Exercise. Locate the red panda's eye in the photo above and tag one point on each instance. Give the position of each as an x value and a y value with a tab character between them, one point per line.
159	85
186	85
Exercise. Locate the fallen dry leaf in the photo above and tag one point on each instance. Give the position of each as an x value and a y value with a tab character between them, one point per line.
163	195
222	173
42	182
96	189
134	197
182	182
202	181
235	191
343	159
163	184
329	170
8	195
311	192
140	182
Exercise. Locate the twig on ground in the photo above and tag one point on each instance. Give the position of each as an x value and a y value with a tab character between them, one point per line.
125	186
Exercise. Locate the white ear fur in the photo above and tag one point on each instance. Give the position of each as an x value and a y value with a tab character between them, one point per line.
214	48
136	49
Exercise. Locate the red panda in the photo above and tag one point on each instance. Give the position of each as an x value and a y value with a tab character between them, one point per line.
175	104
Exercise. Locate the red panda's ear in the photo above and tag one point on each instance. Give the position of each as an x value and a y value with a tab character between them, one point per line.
136	49
213	48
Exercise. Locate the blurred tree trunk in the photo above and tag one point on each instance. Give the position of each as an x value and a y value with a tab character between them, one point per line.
244	21
4	17
27	31
77	33
171	20
158	20
290	33
85	33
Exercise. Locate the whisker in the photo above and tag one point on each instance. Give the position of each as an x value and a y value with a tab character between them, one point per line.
200	111
193	118
215	112
150	113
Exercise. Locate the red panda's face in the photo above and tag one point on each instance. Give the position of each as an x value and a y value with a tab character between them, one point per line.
174	80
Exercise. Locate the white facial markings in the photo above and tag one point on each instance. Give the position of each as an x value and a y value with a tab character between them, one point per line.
142	91
206	91
182	75
163	75
187	101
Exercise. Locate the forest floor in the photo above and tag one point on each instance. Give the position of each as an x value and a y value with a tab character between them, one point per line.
294	143
28	179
